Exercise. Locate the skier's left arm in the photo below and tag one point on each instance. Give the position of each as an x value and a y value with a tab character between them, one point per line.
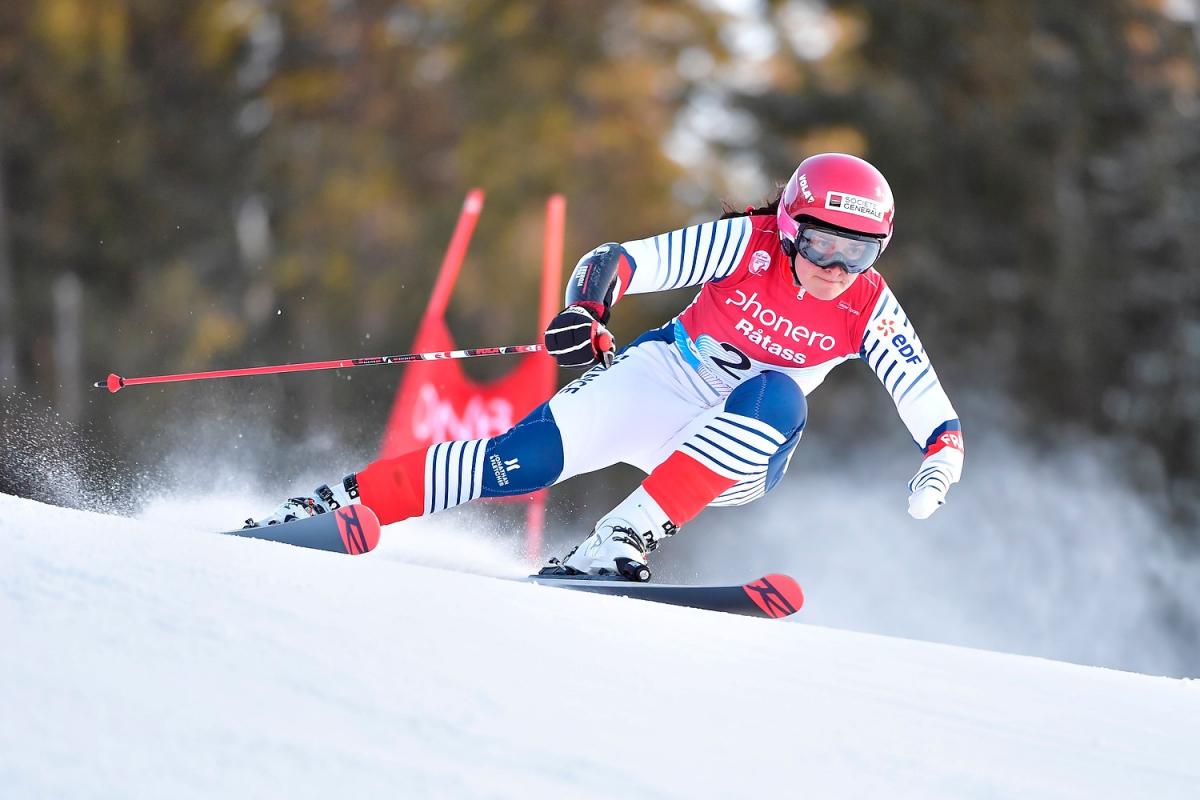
893	351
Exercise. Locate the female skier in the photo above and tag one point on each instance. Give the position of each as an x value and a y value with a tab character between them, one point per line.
711	405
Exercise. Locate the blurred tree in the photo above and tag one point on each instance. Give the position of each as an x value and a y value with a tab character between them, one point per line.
8	297
116	148
383	113
248	180
380	116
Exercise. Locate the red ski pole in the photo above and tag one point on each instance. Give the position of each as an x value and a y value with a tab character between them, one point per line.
114	383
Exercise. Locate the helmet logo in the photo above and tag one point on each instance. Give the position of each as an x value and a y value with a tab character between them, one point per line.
808	195
853	204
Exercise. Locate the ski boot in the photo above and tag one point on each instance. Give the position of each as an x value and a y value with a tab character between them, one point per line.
324	498
620	543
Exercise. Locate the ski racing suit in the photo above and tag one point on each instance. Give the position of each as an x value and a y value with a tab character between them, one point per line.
712	404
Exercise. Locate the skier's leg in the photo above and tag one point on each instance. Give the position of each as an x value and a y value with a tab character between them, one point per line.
619	414
525	458
730	456
609	415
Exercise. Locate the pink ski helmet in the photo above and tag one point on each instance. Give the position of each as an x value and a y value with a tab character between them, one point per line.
839	191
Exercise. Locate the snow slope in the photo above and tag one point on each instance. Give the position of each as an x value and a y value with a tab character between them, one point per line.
141	662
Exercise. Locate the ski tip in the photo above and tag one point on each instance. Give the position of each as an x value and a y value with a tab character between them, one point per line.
359	529
776	595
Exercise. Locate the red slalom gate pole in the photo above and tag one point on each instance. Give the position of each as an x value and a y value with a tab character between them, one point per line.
114	383
552	257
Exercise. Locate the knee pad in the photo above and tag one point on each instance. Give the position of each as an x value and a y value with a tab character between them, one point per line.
528	457
773	398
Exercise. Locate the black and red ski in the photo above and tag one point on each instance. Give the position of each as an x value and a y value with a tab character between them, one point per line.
771	596
351	529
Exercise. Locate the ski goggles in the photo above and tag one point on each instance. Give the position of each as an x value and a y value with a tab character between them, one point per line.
827	248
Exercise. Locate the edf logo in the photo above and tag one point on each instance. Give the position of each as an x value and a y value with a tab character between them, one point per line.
906	349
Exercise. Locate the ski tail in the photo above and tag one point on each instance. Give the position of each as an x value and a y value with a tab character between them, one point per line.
352	529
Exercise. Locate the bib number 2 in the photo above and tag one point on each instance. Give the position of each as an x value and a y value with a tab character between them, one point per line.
740	362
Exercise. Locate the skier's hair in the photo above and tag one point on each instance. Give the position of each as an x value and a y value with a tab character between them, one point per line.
730	212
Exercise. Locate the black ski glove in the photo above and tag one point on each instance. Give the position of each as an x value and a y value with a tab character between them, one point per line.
578	340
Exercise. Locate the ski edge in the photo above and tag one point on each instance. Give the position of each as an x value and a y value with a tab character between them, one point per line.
772	596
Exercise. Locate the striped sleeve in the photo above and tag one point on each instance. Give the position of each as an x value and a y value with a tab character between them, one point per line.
687	257
893	351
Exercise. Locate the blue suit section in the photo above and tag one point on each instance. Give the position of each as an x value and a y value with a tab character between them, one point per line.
528	457
775	399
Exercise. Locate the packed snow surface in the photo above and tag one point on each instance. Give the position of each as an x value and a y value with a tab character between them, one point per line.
137	660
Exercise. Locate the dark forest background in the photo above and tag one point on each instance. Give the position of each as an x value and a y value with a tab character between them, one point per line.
195	185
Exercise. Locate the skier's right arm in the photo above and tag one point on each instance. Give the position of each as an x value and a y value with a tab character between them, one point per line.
577	337
690	256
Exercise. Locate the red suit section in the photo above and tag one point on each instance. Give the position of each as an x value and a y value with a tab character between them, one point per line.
394	488
682	487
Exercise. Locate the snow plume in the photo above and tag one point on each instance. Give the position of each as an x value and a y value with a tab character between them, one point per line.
469	539
478	540
465	540
225	462
46	457
1034	553
222	471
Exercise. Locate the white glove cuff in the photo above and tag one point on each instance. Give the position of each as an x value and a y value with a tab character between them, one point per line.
940	470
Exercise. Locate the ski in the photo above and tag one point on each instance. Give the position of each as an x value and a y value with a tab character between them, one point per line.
352	530
771	596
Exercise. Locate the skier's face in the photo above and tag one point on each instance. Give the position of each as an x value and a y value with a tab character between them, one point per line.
822	283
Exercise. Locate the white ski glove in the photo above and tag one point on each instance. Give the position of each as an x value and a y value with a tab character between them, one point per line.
929	486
